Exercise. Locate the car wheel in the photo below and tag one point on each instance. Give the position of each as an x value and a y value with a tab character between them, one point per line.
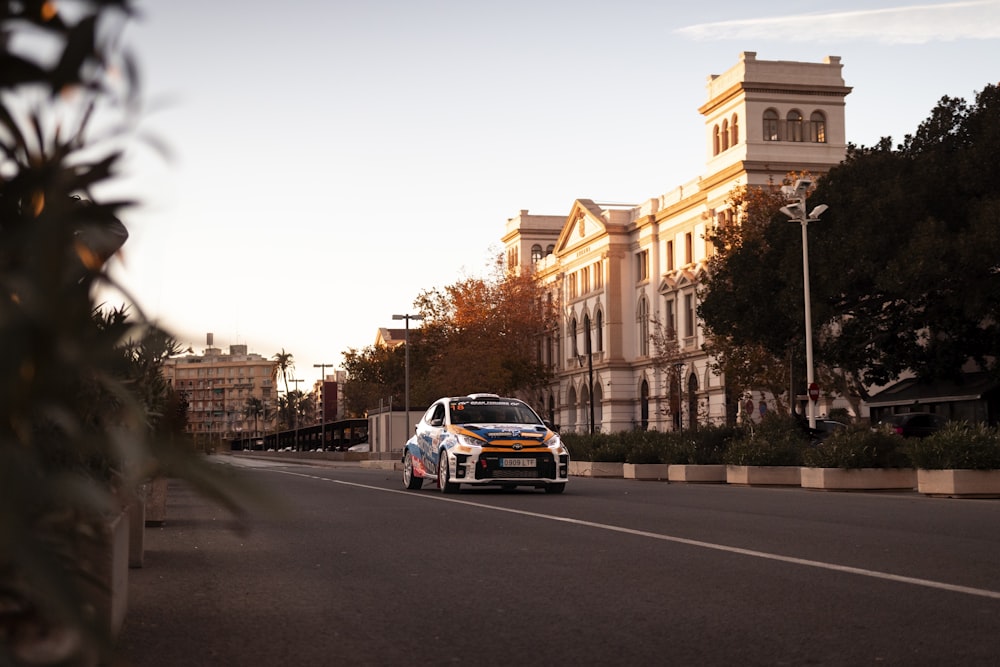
555	488
444	483
410	481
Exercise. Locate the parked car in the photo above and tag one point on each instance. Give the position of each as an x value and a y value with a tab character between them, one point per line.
824	429
913	424
484	439
360	447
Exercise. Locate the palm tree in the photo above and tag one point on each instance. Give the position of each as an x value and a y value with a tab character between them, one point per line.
254	408
284	364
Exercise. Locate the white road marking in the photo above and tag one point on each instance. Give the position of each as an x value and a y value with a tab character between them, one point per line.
874	574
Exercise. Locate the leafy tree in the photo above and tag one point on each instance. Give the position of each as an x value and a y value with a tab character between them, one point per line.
483	334
375	374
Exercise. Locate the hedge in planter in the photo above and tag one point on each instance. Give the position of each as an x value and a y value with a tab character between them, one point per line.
958	446
776	441
858	447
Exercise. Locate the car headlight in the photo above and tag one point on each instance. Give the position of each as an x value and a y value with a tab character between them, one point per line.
465	444
555	443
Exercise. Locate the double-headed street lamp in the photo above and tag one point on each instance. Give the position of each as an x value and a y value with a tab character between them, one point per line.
295	411
406	370
796	212
322	402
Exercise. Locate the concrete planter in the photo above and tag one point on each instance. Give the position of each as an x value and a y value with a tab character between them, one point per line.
697	474
959	483
156	501
858	479
764	475
596	469
645	471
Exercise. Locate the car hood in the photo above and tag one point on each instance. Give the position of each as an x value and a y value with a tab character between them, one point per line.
503	432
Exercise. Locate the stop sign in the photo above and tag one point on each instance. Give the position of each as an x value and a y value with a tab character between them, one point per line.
814	392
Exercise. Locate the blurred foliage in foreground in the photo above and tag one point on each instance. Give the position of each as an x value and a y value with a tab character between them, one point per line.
85	415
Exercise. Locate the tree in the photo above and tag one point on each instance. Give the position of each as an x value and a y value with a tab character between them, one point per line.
254	408
483	334
375	375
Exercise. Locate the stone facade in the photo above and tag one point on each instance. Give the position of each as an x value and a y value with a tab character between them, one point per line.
621	272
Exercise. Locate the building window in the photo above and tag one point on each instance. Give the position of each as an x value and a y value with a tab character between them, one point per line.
716	142
549	249
771	125
536	253
642	265
670	317
670	256
643	320
688	248
598	276
573	285
689	316
725	135
793	125
585	280
734	131
817	127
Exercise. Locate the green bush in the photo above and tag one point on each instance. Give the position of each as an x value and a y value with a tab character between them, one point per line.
705	445
776	441
959	445
858	447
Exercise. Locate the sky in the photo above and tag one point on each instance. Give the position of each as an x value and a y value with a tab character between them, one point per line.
330	160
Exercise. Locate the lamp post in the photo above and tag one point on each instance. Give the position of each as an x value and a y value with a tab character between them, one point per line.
406	367
796	212
590	371
322	402
679	367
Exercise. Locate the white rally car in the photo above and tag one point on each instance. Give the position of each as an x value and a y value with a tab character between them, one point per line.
484	439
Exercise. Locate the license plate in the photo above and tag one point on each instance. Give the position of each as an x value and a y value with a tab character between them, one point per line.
518	463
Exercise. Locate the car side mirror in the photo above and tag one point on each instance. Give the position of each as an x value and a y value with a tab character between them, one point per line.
437	422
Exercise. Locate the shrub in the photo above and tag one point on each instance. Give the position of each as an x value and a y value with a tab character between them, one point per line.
958	445
858	447
776	441
705	445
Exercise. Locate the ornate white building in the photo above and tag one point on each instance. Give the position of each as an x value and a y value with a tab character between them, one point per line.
618	270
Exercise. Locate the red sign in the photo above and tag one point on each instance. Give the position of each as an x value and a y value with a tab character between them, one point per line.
813	392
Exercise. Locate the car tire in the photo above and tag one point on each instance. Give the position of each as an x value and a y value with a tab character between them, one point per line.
444	482
555	488
410	480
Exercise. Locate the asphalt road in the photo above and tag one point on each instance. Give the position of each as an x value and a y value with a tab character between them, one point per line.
613	572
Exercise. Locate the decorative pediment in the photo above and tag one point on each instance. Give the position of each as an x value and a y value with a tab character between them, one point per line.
681	278
584	223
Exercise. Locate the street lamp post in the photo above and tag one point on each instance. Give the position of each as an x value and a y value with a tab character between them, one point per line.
406	367
322	402
796	212
679	366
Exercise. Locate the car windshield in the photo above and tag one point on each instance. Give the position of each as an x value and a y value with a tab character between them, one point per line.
492	411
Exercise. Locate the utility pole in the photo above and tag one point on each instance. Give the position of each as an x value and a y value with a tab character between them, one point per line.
295	413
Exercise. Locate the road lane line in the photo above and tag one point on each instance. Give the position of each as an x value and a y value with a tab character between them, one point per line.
874	574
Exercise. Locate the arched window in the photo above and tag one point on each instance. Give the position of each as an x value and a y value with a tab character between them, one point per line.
587	345
725	135
715	141
793	126
549	249
643	321
771	125
536	253
817	127
734	131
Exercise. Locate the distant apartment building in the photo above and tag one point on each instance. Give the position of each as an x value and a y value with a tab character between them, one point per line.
617	271
329	393
229	395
